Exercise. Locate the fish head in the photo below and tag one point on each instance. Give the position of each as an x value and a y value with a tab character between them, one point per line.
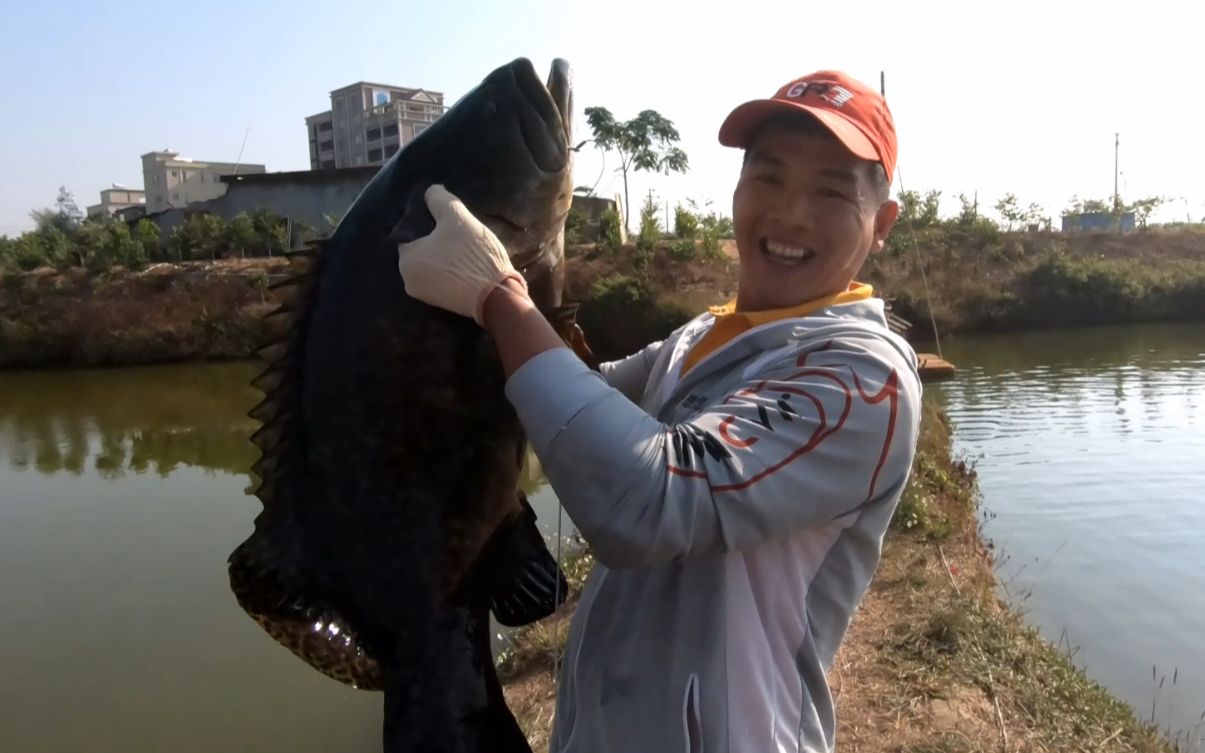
511	165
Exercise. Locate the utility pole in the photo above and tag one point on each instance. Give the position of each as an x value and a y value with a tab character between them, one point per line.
1116	151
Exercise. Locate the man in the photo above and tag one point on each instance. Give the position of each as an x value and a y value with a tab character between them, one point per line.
734	481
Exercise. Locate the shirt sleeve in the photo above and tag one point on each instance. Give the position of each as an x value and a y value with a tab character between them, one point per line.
809	440
630	375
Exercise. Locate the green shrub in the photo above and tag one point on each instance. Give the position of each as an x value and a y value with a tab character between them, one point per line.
609	231
682	250
686	223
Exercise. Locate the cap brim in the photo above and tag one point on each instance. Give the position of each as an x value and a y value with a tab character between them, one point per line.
740	124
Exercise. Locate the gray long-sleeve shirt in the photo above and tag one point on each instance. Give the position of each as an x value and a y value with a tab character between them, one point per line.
737	515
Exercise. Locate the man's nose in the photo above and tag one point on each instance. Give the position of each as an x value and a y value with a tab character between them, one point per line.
796	211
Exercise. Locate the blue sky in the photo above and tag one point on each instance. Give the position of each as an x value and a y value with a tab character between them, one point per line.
1022	98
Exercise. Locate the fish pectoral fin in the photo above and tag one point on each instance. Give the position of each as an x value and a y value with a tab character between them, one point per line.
525	583
564	321
577	341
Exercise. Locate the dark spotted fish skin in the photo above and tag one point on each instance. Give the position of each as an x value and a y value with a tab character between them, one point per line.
392	519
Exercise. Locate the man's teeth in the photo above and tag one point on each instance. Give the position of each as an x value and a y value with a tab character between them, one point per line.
790	252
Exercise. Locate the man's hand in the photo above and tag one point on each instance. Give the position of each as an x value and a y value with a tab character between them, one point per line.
460	263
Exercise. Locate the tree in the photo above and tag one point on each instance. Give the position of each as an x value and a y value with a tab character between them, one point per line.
1010	210
103	242
270	232
646	142
147	233
650	229
1035	215
1089	206
198	236
240	235
609	231
919	211
968	211
686	223
65	216
1143	208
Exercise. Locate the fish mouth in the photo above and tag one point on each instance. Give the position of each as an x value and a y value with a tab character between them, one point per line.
561	88
545	124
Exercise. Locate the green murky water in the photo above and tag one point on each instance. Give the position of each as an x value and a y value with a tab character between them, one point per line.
121	494
1090	448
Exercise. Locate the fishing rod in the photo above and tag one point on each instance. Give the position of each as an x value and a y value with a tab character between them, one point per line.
912	233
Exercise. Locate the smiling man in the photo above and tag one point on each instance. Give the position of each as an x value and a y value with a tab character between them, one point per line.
735	480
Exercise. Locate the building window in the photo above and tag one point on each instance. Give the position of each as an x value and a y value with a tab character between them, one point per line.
419	128
326	146
328	165
374	155
326	126
175	174
202	177
374	134
391	150
391	129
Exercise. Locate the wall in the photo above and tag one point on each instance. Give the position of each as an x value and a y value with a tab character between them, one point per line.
593	208
306	198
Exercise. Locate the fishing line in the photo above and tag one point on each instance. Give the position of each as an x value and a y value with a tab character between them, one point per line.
601	172
556	599
921	263
912	232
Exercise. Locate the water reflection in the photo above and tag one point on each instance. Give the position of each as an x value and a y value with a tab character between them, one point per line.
118	421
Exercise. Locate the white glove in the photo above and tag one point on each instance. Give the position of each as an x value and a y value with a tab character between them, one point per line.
459	264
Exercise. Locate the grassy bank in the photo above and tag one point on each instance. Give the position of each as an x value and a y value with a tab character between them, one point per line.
978	280
934	662
984	280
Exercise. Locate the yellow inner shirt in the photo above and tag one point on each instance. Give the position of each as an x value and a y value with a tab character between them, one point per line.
729	322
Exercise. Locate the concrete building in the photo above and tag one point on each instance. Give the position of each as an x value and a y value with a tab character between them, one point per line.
368	123
310	200
116	200
307	199
172	181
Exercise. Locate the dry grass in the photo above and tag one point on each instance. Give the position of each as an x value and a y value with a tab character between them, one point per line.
167	312
198	310
1013	281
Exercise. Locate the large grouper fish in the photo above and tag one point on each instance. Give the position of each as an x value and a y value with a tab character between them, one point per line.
392	520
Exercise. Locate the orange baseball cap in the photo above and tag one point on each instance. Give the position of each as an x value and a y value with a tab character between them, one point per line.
856	114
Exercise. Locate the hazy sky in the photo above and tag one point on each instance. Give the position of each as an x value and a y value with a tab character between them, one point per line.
1022	96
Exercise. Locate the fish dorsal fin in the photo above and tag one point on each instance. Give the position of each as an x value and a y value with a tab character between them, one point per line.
267	571
280	380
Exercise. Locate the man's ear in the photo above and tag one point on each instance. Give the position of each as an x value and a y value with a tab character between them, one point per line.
884	219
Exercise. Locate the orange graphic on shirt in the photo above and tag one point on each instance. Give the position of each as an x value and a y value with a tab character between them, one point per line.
775	403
